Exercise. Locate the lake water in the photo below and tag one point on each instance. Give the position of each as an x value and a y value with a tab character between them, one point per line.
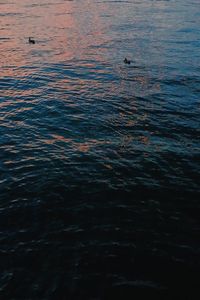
99	169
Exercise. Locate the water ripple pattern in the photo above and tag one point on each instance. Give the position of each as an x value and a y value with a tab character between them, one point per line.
99	168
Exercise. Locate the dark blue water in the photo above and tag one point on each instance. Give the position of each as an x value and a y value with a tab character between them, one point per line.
99	168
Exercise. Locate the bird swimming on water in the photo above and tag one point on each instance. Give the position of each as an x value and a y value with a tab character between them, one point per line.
31	41
126	61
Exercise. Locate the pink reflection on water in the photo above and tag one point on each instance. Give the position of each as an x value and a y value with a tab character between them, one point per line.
21	20
85	146
61	32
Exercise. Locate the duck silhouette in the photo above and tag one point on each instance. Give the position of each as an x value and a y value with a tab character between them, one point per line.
31	41
126	61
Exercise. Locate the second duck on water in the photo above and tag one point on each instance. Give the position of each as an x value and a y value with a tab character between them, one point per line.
126	61
31	41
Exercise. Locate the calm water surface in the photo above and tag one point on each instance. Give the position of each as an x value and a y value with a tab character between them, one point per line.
99	168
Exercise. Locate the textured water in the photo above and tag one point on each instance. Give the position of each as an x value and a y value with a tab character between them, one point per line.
99	168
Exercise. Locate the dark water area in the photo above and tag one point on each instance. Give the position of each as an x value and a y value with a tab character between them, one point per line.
99	160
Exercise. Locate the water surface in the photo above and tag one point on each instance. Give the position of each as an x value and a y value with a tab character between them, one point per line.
99	169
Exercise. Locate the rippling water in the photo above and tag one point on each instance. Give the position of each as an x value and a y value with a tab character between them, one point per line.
99	169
